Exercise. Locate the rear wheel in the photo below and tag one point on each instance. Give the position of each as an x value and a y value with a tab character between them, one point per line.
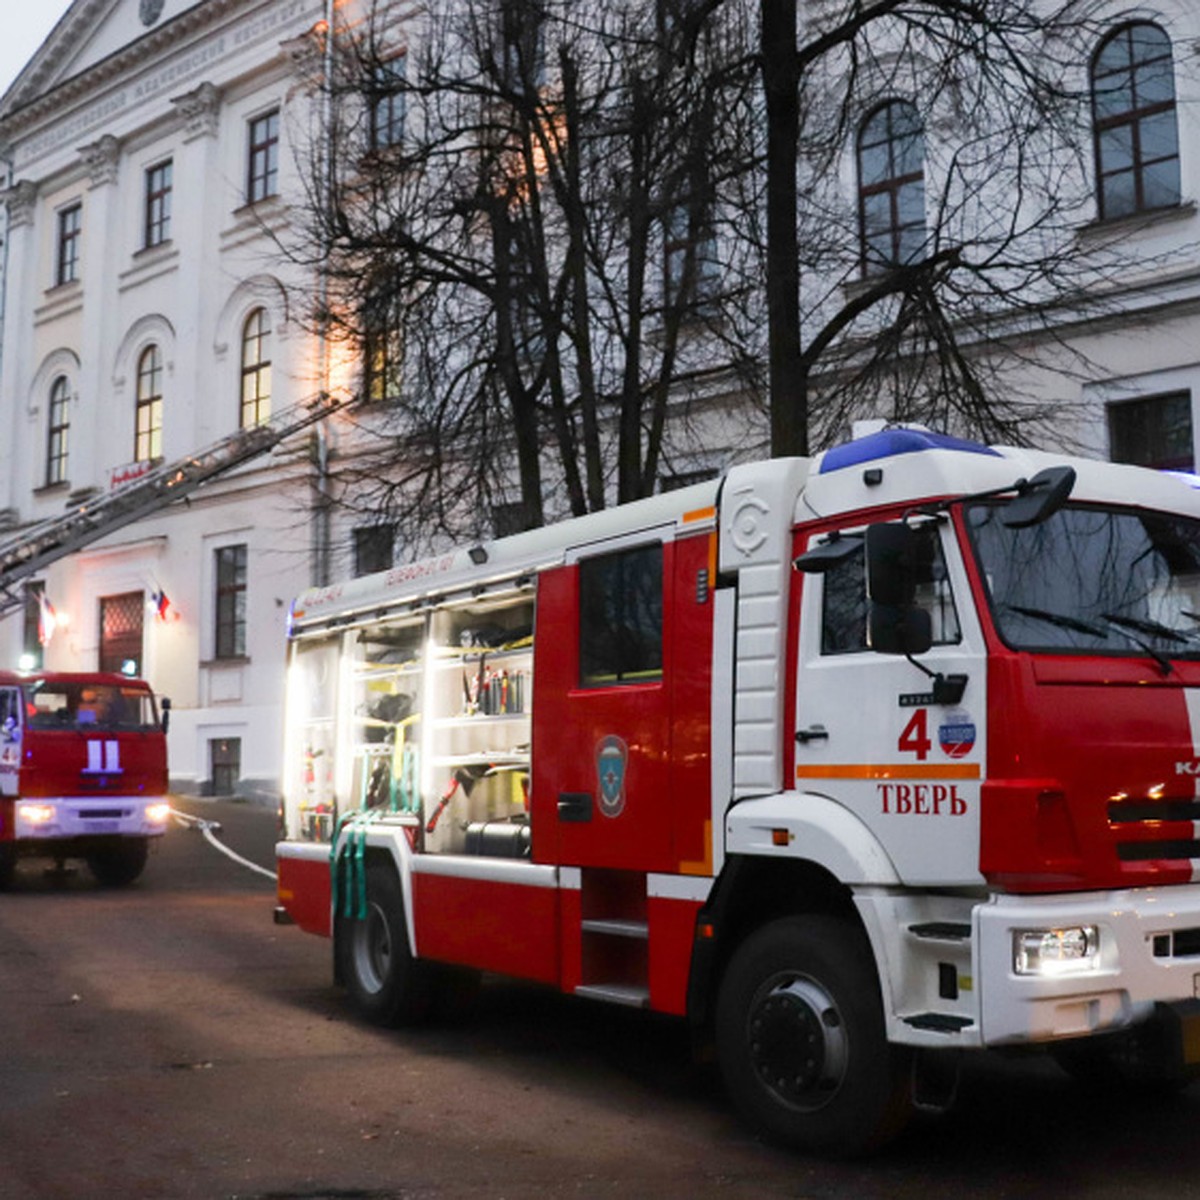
801	1040
120	864
387	985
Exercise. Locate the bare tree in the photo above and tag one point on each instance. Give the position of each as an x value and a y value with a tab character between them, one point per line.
930	327
523	238
576	242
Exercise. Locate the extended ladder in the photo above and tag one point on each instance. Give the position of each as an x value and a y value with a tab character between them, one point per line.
27	551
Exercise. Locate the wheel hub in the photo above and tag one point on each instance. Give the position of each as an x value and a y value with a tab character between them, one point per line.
798	1042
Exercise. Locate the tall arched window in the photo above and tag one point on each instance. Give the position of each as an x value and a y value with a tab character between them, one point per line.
58	427
148	433
1133	112
891	186
256	369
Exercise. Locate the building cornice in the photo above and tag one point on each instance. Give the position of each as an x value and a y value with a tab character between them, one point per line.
21	117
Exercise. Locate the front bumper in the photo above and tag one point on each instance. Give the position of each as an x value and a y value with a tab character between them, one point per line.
1149	953
78	819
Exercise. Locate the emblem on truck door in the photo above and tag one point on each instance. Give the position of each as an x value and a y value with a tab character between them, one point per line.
611	757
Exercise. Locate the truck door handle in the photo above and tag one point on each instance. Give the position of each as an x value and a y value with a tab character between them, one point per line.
575	806
811	734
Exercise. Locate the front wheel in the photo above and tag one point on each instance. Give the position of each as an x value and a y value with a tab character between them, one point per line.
120	864
387	985
801	1039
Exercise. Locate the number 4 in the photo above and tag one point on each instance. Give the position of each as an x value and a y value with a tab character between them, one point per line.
915	738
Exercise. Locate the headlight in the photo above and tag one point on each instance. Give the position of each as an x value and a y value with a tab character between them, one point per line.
157	814
36	814
1055	951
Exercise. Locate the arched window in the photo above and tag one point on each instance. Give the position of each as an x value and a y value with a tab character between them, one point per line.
1133	112
148	435
891	186
58	427
256	369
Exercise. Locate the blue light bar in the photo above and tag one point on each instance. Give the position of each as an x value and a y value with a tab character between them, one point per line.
889	442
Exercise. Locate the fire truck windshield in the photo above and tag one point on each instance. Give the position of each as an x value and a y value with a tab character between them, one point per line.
84	706
1101	580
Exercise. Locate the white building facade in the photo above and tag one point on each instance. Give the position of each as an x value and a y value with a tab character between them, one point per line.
152	149
147	315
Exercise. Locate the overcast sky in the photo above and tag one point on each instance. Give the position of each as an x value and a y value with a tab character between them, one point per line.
26	23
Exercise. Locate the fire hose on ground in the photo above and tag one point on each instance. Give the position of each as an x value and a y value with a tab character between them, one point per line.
209	829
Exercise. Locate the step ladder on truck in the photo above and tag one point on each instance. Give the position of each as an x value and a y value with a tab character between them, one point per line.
859	763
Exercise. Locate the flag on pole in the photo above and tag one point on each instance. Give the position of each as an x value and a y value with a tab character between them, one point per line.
162	602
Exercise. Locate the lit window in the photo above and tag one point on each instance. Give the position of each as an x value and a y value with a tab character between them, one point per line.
58	428
891	187
262	178
158	204
256	370
1133	109
148	429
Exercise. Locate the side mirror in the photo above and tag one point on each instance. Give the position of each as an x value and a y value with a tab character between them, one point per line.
894	624
891	565
1039	499
166	713
894	630
827	553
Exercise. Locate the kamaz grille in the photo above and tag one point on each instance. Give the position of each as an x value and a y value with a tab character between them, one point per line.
1149	829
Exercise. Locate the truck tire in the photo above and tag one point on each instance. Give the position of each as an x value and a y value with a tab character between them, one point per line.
801	1039
387	985
120	864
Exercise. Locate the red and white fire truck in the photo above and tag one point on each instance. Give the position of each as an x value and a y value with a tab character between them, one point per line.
857	762
83	772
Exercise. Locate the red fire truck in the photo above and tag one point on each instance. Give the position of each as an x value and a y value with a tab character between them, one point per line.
83	772
857	762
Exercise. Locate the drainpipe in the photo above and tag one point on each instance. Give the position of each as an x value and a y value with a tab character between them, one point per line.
323	505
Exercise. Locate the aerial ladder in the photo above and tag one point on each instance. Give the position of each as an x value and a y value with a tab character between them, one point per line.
27	551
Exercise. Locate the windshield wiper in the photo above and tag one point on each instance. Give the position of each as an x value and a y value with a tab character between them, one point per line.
1062	620
1127	624
1150	628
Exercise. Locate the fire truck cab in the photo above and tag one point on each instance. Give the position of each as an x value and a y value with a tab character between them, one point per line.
83	772
858	762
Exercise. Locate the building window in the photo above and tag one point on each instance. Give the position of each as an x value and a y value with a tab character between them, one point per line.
373	548
231	602
70	226
386	103
381	345
891	187
1153	432
1133	110
33	650
686	232
262	179
121	620
148	433
58	428
256	369
158	204
620	617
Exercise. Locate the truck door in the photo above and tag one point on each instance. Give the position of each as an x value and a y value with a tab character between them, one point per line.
872	733
601	735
